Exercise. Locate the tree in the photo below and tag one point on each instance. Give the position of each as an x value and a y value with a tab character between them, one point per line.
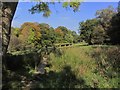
64	35
48	35
105	16
114	31
86	30
8	11
98	35
30	34
97	30
75	37
9	8
59	35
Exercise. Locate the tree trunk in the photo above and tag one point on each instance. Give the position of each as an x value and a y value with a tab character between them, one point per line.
8	11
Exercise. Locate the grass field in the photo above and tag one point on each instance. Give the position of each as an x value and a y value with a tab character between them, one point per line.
78	67
85	62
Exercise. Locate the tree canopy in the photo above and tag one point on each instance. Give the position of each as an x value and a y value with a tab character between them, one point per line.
103	29
40	7
40	35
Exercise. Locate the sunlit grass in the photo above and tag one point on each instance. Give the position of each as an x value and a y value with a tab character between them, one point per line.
83	65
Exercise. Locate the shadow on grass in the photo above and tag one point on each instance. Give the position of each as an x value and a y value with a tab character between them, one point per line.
18	62
64	79
16	69
22	79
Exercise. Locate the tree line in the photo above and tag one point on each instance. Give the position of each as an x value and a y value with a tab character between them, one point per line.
35	35
8	10
104	29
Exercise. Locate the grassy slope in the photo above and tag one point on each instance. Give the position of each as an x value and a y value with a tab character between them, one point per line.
84	66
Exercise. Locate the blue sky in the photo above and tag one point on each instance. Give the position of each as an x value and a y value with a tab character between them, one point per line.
60	16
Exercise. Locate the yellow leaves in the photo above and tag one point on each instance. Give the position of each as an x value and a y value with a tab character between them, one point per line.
38	35
30	31
59	31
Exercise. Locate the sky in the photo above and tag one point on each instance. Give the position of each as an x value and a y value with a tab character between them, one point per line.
60	16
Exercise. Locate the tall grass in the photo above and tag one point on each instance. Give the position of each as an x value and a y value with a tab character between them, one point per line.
84	65
74	67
